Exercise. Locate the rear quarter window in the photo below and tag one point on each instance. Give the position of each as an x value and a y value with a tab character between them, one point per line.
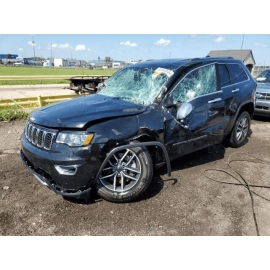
237	73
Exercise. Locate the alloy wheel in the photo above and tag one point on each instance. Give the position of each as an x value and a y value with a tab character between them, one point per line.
242	129
122	171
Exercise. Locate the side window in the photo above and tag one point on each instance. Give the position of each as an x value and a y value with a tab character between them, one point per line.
224	75
237	73
199	81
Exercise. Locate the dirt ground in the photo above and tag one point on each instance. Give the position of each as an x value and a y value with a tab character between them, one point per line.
186	204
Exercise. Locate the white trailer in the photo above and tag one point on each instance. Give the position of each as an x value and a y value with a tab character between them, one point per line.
60	62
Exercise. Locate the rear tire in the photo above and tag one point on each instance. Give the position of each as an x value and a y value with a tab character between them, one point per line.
126	175
240	130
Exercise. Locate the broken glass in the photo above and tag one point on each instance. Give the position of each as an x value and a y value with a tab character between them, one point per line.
198	82
140	86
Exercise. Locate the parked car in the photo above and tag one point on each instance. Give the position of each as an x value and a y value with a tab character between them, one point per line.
264	76
18	64
143	117
262	107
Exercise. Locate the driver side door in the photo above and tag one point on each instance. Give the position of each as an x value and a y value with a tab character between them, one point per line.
203	125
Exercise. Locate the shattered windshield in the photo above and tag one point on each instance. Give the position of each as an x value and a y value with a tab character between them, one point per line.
136	85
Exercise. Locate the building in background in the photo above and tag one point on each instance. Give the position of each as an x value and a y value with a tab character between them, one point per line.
48	63
8	56
61	62
244	55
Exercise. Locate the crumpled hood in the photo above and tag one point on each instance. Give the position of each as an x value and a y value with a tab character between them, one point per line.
77	112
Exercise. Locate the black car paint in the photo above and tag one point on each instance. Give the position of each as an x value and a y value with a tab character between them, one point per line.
116	122
87	109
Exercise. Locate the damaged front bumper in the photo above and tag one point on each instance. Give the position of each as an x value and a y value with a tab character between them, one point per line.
73	178
46	180
68	172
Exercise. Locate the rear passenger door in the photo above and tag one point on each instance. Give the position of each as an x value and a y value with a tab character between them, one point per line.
233	82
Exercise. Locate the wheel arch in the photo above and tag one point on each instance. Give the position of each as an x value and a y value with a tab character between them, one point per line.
137	144
156	152
248	107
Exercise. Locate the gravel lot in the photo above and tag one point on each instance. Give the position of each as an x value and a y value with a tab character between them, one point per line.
188	203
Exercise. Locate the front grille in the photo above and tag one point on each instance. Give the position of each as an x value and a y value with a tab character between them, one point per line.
263	96
39	136
262	108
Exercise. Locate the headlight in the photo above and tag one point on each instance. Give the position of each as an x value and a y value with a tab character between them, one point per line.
74	139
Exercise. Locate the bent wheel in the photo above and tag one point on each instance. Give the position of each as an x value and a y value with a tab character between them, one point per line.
126	175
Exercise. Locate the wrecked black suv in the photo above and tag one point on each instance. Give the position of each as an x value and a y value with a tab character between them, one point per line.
144	116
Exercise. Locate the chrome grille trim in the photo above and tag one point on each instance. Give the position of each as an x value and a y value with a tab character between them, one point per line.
39	136
48	141
263	95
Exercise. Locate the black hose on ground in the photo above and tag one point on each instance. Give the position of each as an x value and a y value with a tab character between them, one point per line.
245	184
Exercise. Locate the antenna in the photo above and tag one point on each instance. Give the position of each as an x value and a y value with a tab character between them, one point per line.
242	41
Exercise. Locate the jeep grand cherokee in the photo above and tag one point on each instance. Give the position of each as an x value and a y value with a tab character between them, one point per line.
144	116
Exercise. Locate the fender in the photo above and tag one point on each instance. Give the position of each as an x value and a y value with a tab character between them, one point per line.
133	145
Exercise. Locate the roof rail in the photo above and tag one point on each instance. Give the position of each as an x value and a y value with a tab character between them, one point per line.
227	57
195	59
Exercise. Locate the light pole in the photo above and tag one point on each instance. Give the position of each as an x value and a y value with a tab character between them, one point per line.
33	42
51	51
258	69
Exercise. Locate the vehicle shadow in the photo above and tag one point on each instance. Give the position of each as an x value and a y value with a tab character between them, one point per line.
194	159
261	118
200	157
154	188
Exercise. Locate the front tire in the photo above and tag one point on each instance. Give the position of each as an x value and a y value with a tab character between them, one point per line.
126	176
240	130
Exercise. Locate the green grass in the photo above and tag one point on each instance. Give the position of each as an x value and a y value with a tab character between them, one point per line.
34	71
32	82
60	73
12	113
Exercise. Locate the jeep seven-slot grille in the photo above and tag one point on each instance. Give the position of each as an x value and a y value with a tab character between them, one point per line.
39	136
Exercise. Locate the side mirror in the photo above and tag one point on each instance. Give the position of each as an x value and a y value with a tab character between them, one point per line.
184	110
100	86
